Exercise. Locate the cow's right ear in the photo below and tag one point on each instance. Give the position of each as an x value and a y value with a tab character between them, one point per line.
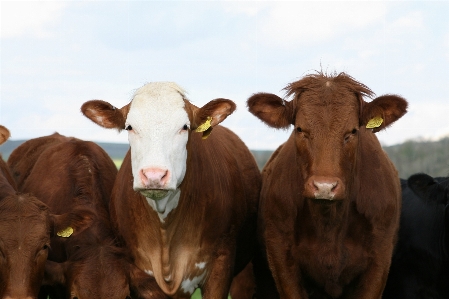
72	223
427	188
54	273
272	110
4	134
105	114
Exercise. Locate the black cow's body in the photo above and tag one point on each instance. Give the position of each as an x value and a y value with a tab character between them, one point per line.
420	264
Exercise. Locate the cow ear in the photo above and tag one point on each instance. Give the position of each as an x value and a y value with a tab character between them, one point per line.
272	110
4	134
210	115
143	285
105	114
215	111
382	112
72	223
54	273
427	188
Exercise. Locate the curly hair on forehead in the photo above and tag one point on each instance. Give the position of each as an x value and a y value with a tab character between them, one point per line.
320	80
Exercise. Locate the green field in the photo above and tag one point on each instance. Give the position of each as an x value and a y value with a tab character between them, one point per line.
197	295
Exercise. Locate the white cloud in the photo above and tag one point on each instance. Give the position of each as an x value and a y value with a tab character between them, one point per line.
294	23
29	17
249	8
412	20
422	121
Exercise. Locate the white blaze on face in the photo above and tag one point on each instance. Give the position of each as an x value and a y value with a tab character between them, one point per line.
158	139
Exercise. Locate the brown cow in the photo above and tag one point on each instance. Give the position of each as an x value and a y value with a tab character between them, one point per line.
330	198
25	230
66	173
186	207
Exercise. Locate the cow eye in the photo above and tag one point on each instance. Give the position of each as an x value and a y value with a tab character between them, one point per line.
354	131
298	129
128	128
185	127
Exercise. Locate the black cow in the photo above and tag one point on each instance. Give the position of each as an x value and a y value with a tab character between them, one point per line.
420	264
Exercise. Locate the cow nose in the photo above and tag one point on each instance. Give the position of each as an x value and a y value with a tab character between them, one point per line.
154	178
324	188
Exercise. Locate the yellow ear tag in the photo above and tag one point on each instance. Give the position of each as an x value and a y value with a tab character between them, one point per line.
65	233
374	122
206	133
204	126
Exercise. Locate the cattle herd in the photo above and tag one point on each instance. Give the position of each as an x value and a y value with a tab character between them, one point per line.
327	217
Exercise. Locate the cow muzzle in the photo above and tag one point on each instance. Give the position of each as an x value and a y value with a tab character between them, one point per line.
324	188
155	194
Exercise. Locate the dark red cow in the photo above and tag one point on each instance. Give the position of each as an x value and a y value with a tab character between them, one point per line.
67	173
331	198
184	205
25	229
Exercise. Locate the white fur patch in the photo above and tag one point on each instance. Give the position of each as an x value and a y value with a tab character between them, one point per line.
149	272
157	139
190	285
164	206
200	265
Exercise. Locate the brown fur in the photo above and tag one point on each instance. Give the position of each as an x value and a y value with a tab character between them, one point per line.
243	285
214	215
322	248
215	219
68	173
25	225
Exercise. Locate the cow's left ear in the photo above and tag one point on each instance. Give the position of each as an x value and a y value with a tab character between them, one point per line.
72	222
106	115
382	112
4	134
210	115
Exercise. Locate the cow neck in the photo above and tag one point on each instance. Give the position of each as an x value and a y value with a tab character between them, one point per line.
164	206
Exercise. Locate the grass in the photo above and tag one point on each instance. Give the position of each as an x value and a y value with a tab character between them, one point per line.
117	162
197	295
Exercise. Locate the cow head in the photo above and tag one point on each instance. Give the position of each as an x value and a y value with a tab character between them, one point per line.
101	271
159	120
25	230
93	271
329	116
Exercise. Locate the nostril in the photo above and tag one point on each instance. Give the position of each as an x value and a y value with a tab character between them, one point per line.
334	186
155	177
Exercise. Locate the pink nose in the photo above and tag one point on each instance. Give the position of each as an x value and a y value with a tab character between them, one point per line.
321	187
154	178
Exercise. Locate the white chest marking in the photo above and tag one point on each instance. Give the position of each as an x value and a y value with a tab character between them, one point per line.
189	285
149	272
165	205
200	265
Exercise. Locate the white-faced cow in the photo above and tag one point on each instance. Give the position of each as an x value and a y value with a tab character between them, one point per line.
184	205
330	198
67	173
26	226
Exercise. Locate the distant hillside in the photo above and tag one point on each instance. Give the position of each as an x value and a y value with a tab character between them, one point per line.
409	157
114	150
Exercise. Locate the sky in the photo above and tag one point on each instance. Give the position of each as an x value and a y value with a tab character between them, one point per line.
56	55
